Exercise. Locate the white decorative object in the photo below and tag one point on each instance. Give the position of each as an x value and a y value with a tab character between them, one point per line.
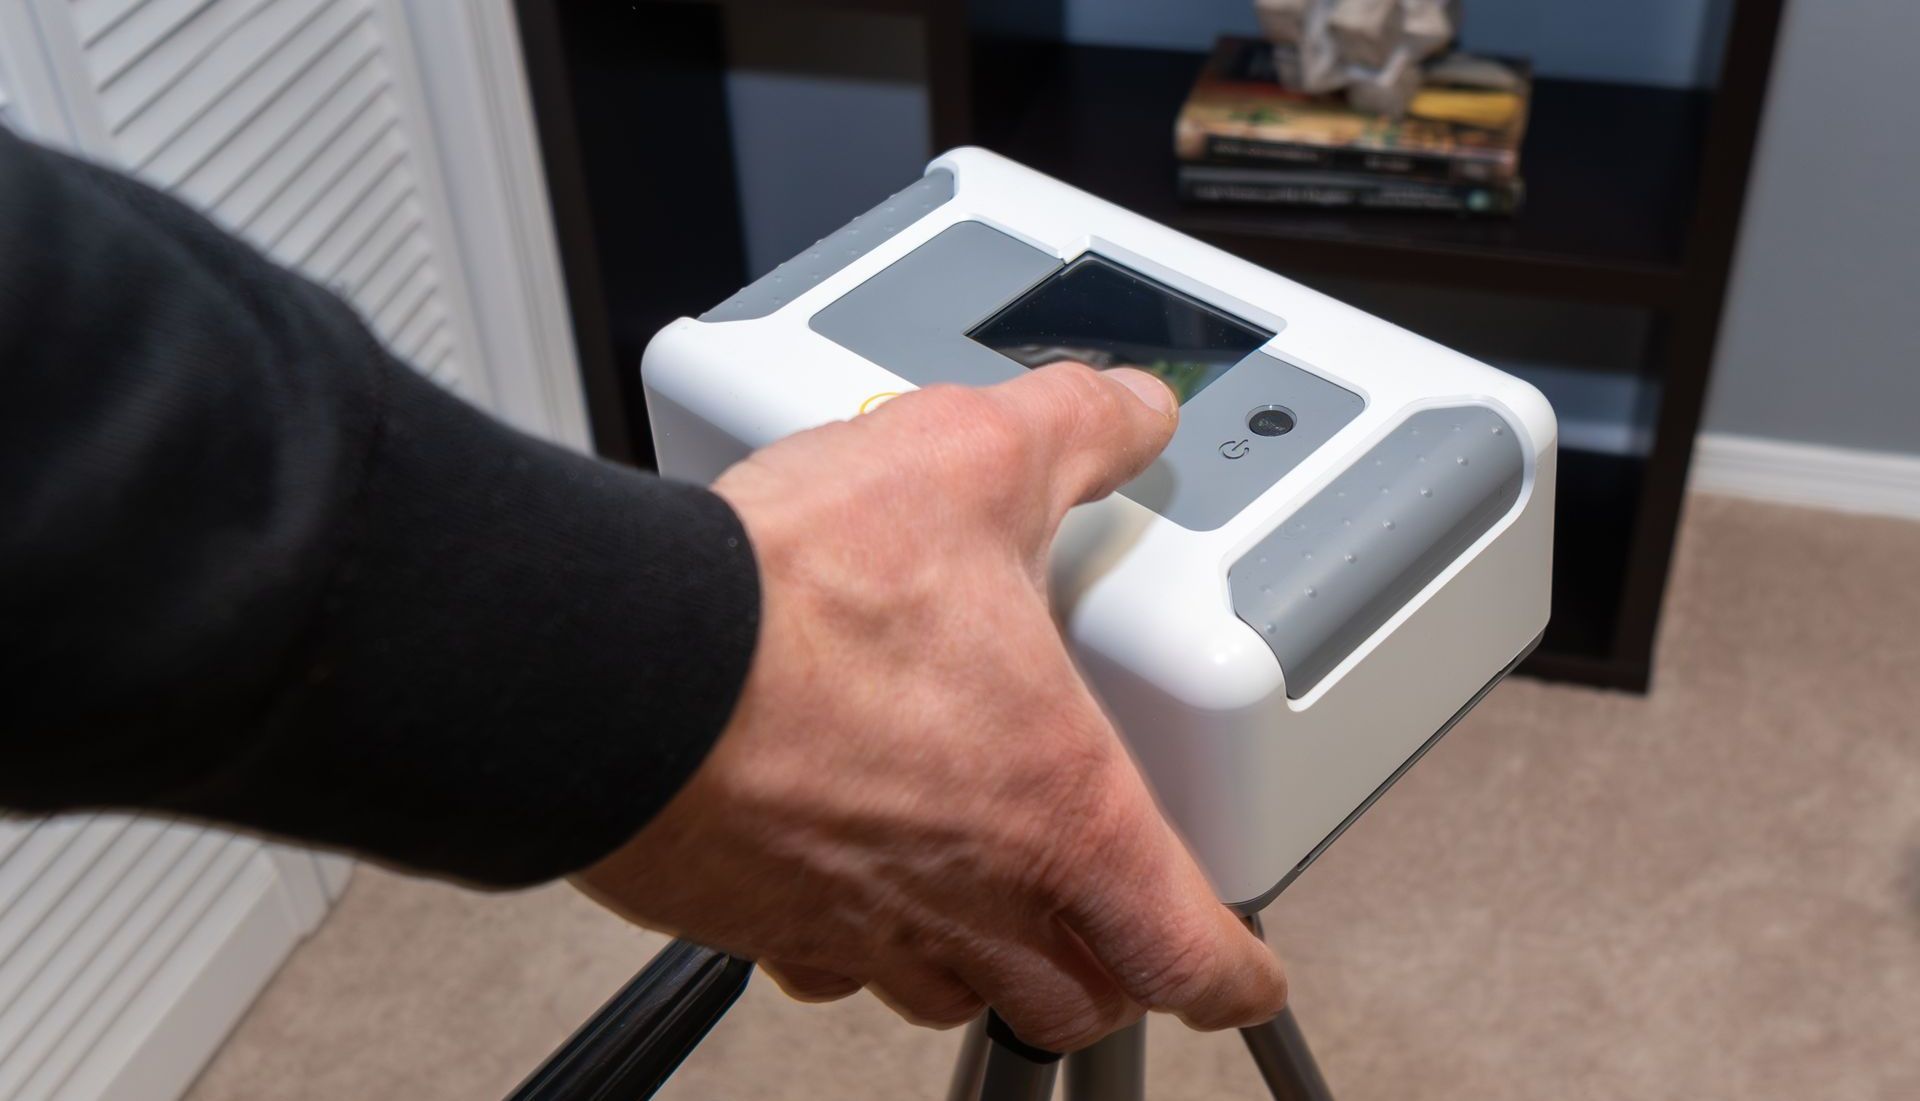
1388	89
1284	20
1365	31
1372	48
1427	28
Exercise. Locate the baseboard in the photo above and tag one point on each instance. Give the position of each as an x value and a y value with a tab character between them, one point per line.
1872	482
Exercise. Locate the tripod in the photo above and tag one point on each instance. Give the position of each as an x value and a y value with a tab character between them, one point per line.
635	1041
991	1068
994	1064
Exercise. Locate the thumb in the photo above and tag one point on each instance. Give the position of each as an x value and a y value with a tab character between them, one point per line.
1090	431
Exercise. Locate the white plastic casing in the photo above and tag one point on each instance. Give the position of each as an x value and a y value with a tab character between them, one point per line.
1254	780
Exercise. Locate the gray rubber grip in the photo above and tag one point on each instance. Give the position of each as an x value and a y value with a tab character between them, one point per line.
1325	580
834	252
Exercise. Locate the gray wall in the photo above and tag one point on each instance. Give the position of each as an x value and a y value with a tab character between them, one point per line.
829	115
1820	342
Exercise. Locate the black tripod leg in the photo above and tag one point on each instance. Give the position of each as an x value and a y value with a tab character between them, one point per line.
970	1069
1115	1069
636	1040
1285	1062
1015	1071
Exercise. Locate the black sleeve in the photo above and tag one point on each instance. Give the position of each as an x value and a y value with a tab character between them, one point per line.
254	570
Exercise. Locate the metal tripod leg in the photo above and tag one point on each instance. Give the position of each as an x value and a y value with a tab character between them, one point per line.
970	1069
1010	1077
1004	1068
1281	1053
1115	1069
995	1066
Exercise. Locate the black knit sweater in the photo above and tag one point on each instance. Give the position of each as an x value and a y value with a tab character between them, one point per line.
254	570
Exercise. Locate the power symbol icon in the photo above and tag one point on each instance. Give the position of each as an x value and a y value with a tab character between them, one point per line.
1234	449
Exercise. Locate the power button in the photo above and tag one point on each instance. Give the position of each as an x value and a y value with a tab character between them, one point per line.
1235	449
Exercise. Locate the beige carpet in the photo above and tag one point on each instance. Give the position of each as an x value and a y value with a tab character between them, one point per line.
1712	892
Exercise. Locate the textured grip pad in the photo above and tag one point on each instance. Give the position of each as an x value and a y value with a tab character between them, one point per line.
833	253
1350	558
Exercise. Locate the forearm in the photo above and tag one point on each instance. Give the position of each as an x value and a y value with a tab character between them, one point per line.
255	570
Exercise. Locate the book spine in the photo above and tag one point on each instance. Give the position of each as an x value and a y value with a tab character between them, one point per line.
1385	196
1249	153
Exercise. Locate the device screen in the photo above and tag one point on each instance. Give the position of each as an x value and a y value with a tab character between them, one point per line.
1096	312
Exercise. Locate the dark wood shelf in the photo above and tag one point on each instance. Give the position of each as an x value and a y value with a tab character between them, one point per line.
1612	172
1596	498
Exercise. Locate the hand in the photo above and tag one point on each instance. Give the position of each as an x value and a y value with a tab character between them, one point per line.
917	793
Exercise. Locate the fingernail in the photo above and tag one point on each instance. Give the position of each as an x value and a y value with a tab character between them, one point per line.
1158	396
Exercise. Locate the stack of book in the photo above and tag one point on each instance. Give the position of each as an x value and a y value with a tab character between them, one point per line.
1243	137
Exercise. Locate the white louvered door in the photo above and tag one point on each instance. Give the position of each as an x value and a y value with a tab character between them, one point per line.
128	948
27	103
9	110
300	125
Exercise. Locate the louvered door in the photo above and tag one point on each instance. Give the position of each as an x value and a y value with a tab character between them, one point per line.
129	947
9	110
300	125
22	75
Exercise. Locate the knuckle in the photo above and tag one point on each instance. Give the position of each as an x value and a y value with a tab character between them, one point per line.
992	435
1080	816
1242	1004
1112	805
1078	1027
1065	1032
1078	779
961	403
1098	399
821	993
964	407
1177	976
1081	397
1267	1004
806	984
1081	380
1002	440
945	1011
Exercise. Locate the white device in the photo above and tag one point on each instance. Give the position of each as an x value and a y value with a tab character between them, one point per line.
1347	543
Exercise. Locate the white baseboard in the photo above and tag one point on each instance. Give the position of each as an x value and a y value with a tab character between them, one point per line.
1872	482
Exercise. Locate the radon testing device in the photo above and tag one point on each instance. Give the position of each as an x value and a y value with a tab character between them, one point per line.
1346	544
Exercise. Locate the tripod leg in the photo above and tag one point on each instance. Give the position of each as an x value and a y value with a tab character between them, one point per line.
1015	1070
1281	1053
970	1069
1115	1069
1009	1077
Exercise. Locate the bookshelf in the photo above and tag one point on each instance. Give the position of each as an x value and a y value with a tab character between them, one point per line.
1634	203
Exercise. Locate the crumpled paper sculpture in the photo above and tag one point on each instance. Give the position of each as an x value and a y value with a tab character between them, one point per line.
1371	49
